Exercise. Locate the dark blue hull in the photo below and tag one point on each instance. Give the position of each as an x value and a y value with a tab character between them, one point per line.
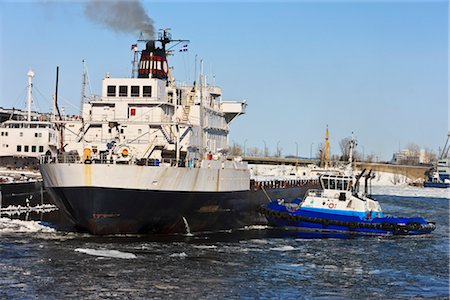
278	215
432	184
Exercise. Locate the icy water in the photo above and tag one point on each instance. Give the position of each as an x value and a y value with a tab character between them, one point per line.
37	262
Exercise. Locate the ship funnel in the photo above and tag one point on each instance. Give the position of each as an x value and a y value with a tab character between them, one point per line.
153	63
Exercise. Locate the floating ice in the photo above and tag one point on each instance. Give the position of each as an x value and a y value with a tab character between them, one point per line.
182	254
283	248
205	246
107	253
18	226
255	227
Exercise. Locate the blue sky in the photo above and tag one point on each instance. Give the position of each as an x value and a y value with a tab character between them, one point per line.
377	68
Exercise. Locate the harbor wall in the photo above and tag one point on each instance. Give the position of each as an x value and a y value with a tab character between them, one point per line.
412	172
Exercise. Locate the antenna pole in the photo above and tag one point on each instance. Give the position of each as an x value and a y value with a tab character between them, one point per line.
83	86
202	142
327	149
30	91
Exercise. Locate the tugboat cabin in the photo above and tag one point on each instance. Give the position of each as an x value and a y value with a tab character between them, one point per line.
336	182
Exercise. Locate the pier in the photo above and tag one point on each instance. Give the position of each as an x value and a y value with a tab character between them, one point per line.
412	172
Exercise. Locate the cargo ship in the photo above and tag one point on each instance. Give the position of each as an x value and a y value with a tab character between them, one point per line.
150	155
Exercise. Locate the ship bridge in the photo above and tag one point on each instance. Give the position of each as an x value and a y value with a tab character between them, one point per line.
233	109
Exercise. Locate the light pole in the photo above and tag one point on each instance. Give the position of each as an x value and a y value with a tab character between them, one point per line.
278	151
265	149
245	142
296	150
310	150
363	152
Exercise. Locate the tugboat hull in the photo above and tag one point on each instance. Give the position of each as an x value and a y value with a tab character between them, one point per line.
278	215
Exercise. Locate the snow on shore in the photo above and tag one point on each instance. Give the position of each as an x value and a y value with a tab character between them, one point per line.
411	191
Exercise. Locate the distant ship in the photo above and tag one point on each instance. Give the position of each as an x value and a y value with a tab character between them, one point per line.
150	156
23	141
440	176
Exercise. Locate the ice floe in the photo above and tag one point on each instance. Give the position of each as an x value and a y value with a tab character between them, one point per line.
106	253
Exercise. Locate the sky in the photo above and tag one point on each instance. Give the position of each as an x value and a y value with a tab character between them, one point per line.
375	68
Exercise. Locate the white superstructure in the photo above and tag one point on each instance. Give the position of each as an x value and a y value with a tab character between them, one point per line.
153	118
22	142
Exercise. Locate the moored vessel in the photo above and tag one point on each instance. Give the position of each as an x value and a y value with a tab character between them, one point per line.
440	176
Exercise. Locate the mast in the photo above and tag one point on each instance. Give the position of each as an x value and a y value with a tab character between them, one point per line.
202	142
327	149
30	91
83	86
134	63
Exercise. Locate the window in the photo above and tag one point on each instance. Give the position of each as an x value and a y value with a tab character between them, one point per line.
134	91
6	133
332	184
339	185
123	91
33	148
139	131
345	185
111	91
147	91
21	134
19	148
35	134
25	148
41	149
3	133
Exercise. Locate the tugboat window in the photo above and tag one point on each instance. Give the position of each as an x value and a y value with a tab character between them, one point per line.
123	91
325	183
147	91
111	91
134	91
332	184
26	148
339	185
33	148
19	148
345	185
41	149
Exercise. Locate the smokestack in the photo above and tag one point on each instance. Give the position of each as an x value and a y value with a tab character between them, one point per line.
123	16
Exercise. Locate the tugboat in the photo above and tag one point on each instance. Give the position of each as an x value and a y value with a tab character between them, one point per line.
339	207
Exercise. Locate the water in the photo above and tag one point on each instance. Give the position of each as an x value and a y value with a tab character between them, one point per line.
255	262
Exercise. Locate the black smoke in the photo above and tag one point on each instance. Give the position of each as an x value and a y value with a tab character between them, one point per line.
120	15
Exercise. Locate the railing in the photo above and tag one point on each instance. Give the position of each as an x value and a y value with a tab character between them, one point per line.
283	184
76	159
